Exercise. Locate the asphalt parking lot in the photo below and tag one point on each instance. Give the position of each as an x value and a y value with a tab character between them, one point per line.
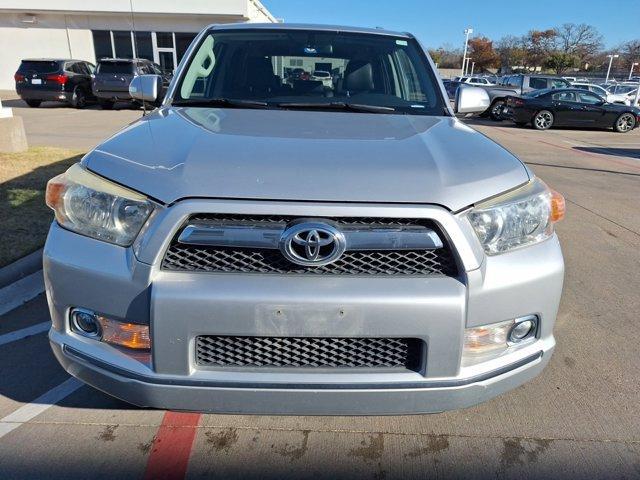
579	419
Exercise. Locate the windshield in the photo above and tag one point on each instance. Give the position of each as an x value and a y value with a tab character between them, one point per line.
282	69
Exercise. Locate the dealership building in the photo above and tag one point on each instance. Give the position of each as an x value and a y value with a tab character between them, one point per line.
160	30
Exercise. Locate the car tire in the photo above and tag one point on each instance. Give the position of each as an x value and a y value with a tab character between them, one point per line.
33	103
79	98
495	110
625	123
543	120
106	105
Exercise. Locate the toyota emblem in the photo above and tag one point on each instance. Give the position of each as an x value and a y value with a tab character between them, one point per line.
312	244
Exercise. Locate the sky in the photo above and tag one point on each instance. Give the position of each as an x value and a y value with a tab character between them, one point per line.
442	22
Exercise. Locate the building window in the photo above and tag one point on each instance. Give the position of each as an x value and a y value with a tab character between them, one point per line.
164	39
295	62
122	42
102	44
183	40
144	45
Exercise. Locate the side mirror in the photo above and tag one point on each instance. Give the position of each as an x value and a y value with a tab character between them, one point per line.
145	87
471	99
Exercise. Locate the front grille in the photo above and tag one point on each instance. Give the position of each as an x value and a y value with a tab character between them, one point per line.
320	352
198	258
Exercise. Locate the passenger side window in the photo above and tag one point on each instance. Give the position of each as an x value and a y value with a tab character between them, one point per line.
589	98
537	83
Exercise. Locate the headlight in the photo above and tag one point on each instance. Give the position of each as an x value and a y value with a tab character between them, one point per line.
90	205
518	218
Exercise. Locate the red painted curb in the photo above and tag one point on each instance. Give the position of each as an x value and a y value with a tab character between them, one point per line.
169	458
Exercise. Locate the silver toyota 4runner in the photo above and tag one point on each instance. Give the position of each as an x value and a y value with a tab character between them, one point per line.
265	242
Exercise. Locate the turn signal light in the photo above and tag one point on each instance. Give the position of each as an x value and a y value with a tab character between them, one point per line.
129	335
557	206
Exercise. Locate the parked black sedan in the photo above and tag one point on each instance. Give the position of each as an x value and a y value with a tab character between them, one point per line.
569	107
58	80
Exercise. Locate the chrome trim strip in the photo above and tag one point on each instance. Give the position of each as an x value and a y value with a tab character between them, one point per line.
361	238
94	362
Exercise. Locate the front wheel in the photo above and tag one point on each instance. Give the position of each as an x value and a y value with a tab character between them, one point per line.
33	103
496	110
625	123
543	120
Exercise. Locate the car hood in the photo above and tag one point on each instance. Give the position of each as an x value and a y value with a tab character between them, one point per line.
176	153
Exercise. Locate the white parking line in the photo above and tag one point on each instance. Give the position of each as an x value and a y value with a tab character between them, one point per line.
24	332
25	289
39	405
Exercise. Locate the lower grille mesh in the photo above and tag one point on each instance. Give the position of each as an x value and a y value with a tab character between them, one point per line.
318	352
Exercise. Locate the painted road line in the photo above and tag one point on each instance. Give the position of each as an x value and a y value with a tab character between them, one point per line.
39	405
20	292
24	333
172	446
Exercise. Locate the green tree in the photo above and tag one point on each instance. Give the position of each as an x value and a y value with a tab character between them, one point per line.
560	62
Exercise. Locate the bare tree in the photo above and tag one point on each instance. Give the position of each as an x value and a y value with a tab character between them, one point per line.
446	56
630	53
539	45
511	52
581	41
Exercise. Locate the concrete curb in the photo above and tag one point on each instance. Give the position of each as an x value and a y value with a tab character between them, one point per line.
21	268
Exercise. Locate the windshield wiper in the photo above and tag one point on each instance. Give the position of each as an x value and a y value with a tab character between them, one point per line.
356	107
220	102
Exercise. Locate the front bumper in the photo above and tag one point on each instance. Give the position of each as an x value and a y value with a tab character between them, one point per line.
297	398
121	284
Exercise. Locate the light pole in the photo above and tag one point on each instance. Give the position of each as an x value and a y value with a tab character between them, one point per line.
631	72
611	57
466	65
467	32
473	64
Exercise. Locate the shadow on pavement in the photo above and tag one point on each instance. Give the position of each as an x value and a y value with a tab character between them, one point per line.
584	169
617	152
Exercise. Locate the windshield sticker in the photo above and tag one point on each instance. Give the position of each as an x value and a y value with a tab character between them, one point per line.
402	43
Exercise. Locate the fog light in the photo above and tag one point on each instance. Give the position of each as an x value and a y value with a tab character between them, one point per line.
123	334
523	329
490	341
85	323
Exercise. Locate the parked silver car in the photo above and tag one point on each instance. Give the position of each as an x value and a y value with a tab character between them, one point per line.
253	246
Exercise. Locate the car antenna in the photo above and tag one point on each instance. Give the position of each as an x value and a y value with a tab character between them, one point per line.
135	51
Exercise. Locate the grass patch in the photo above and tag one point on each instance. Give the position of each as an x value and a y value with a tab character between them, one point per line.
24	216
